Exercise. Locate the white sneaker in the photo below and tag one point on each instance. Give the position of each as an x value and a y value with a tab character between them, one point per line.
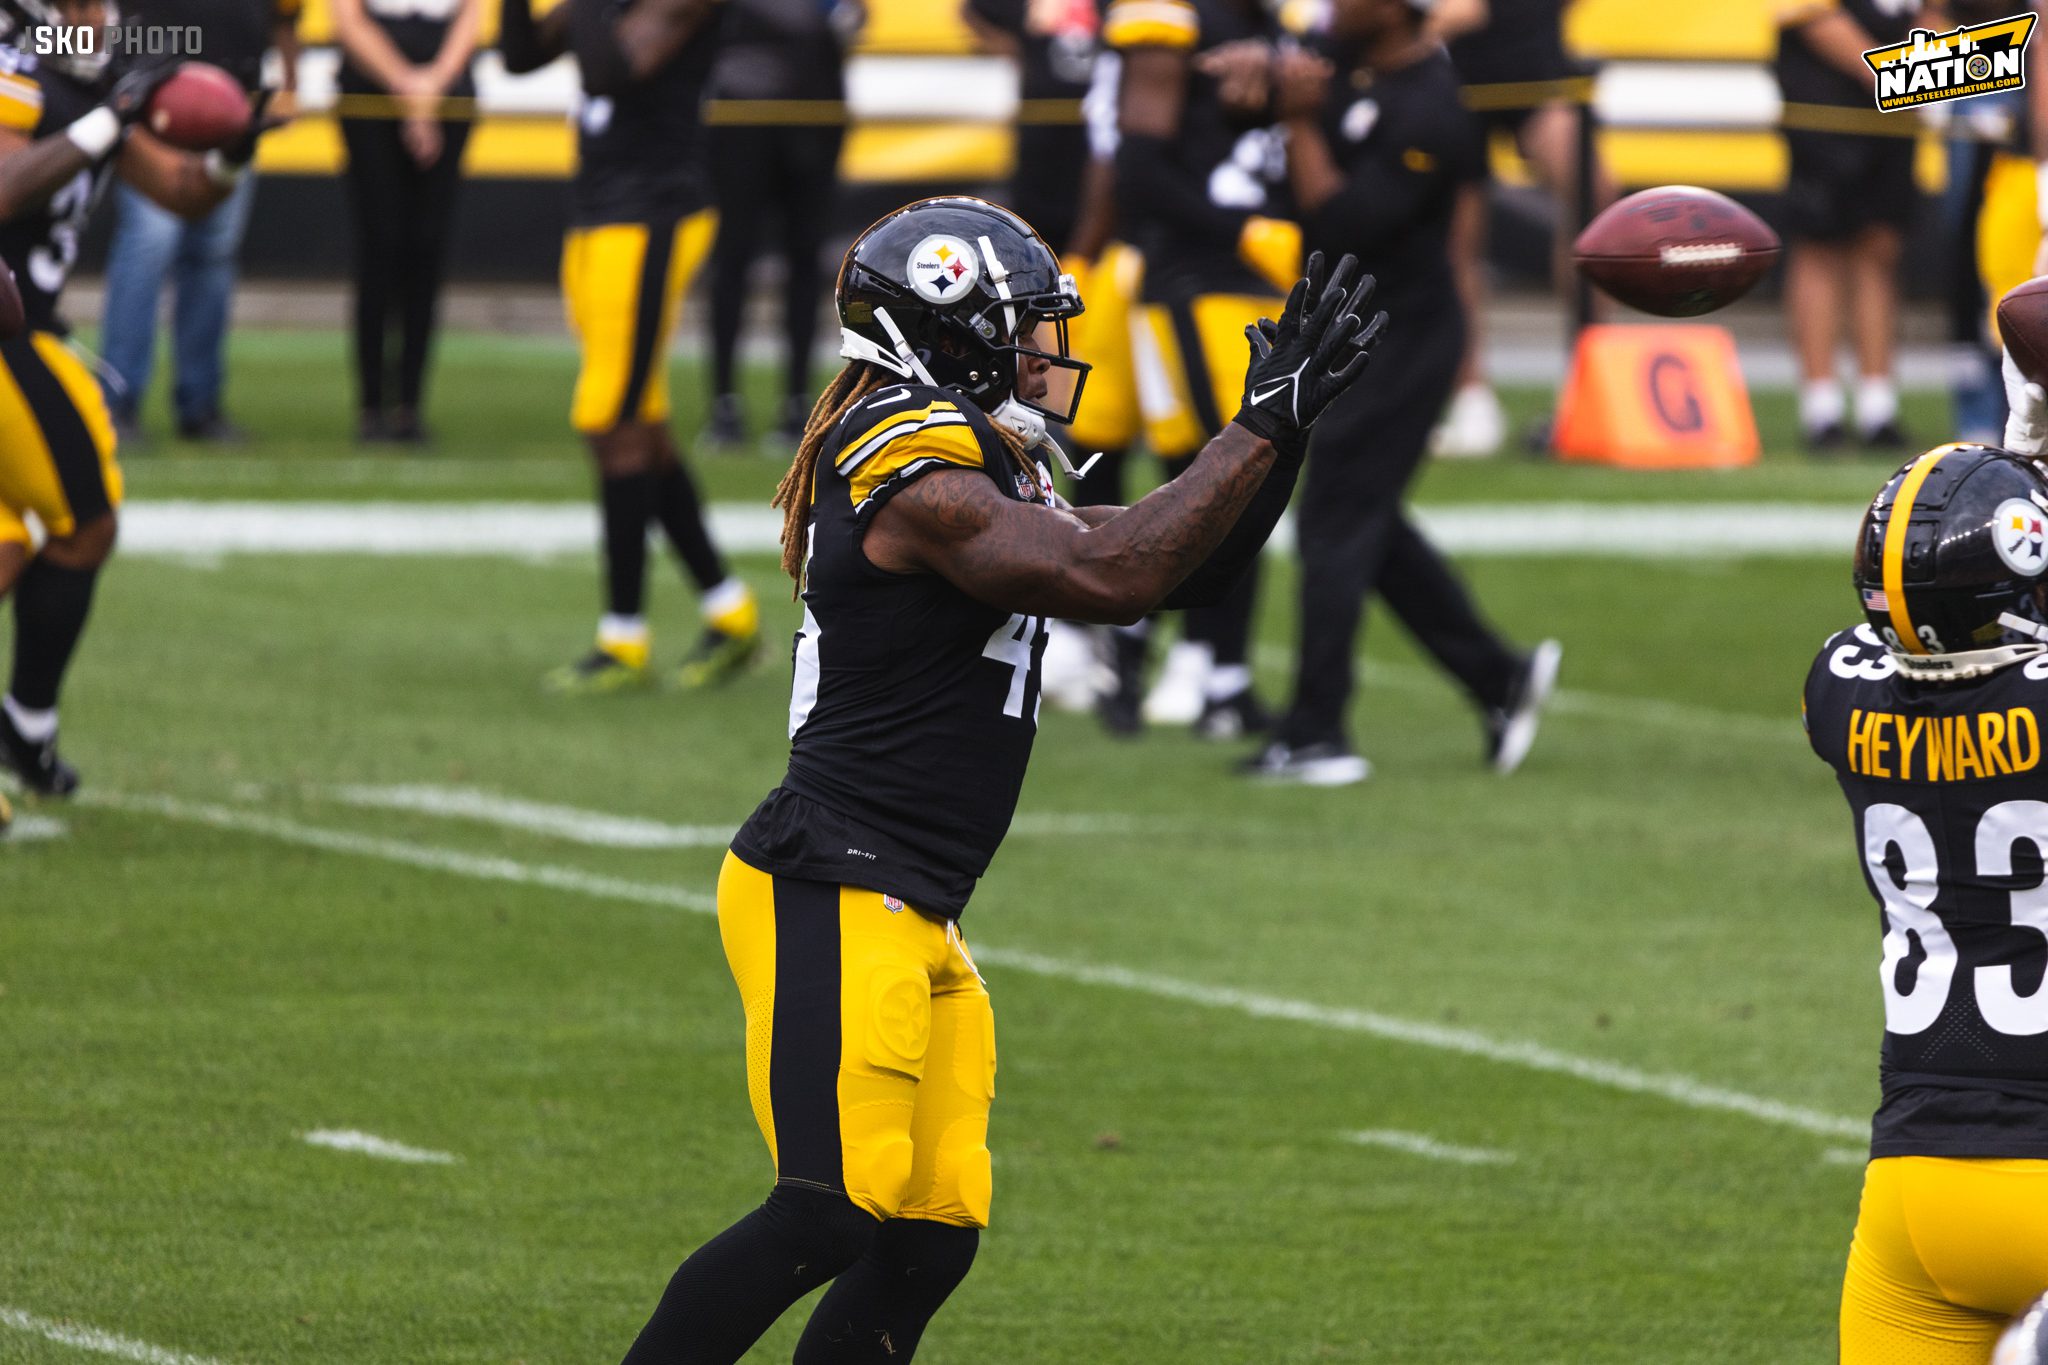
1474	425
1176	699
1073	676
1512	729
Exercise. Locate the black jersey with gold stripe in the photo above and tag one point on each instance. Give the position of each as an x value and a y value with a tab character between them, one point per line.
914	706
1949	792
640	152
1236	168
41	244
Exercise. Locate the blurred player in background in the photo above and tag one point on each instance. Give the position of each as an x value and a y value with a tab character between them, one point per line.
1506	44
1931	714
929	548
641	225
198	257
403	58
1201	192
67	123
775	179
1848	203
1065	185
1378	153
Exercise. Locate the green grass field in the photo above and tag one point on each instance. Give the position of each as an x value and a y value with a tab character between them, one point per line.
1632	985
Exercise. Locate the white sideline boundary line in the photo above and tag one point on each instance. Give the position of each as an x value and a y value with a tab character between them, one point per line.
1682	1090
546	530
369	1144
1427	1147
596	829
96	1340
30	829
476	866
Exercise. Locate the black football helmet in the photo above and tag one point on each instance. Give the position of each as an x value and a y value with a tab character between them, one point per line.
1952	562
959	293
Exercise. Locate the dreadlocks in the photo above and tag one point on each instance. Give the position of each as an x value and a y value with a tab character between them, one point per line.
794	493
799	485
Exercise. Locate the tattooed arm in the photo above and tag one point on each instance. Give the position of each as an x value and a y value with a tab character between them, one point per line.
1102	564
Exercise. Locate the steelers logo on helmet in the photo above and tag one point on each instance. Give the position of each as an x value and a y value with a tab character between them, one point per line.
2019	530
942	269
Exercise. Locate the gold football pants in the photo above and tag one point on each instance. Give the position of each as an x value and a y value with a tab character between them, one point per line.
871	1046
1946	1250
56	440
623	284
1190	359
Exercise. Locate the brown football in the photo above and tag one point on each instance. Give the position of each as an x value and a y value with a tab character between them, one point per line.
1676	251
2023	327
200	108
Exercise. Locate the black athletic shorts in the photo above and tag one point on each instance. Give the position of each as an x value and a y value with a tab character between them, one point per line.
1841	184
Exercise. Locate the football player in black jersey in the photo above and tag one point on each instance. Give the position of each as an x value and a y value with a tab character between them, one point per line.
67	122
1932	714
641	224
1201	191
930	550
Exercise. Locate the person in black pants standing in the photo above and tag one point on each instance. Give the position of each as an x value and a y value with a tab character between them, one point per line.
1377	153
404	164
774	174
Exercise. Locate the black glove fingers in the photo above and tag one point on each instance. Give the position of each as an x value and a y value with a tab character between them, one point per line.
1361	297
1362	352
1262	345
1330	302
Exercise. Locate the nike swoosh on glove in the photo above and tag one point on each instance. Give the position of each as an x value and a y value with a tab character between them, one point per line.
1302	362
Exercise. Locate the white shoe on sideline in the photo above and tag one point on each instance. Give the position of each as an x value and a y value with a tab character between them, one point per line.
1183	685
1474	425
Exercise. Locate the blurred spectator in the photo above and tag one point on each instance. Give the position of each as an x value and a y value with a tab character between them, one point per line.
1053	44
151	242
1509	42
774	180
399	59
1848	203
1376	156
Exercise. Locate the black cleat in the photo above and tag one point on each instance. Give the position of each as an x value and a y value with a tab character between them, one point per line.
1511	729
1329	763
1119	709
1824	440
726	432
36	764
1885	436
1233	717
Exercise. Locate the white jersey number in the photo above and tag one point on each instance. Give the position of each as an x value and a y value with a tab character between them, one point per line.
49	264
1017	642
1910	921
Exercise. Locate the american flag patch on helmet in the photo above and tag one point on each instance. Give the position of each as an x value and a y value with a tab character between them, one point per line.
1875	600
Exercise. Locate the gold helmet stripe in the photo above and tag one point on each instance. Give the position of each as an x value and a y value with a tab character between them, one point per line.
1895	548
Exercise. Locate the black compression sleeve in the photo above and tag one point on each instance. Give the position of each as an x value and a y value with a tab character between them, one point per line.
1240	547
596	44
519	44
1147	172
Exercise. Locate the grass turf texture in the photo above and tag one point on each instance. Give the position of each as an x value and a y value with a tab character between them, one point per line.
1668	886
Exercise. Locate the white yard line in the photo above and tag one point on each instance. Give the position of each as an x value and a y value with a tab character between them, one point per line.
369	1144
1846	1156
577	825
1682	1090
597	829
94	1339
433	859
540	530
1423	1145
29	829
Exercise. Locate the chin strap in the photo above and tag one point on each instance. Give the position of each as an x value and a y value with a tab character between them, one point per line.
1975	663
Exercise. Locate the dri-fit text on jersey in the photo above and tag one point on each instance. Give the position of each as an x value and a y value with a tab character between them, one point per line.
1943	748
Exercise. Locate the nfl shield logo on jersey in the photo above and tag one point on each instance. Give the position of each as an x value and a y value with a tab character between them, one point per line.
942	269
892	905
2020	538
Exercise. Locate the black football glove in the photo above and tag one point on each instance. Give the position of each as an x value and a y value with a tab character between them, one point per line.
129	99
1301	363
242	150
